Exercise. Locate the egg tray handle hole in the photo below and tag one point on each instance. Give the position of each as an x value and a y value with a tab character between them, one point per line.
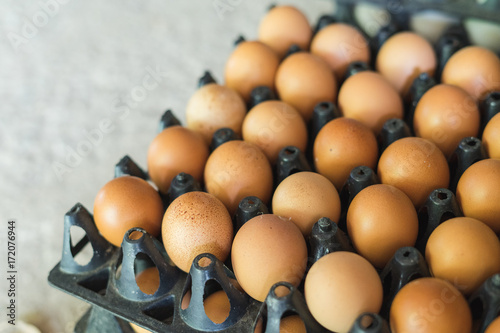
495	96
281	290
442	196
135	234
290	151
471	142
368	321
204	262
82	251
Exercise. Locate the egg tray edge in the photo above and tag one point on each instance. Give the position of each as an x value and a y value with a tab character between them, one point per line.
97	288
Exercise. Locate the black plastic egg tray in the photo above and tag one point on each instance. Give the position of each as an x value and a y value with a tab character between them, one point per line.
108	283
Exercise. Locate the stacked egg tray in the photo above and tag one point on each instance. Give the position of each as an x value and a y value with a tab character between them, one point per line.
108	282
401	10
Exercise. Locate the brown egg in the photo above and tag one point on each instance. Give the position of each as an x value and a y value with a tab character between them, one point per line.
186	299
416	166
238	169
370	99
196	223
463	251
403	57
148	280
380	220
290	324
174	150
445	115
284	26
339	44
217	306
491	137
478	192
138	329
342	145
339	287
304	80
305	197
259	326
213	107
273	125
494	327
430	305
251	64
475	69
127	202
266	250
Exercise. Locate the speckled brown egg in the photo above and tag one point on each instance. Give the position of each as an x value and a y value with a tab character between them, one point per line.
127	202
304	80
213	107
478	192
251	64
445	115
416	166
475	69
266	250
339	44
274	125
463	251
380	220
196	223
238	169
491	137
305	197
403	57
430	305
342	145
339	287
369	98
174	150
284	26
